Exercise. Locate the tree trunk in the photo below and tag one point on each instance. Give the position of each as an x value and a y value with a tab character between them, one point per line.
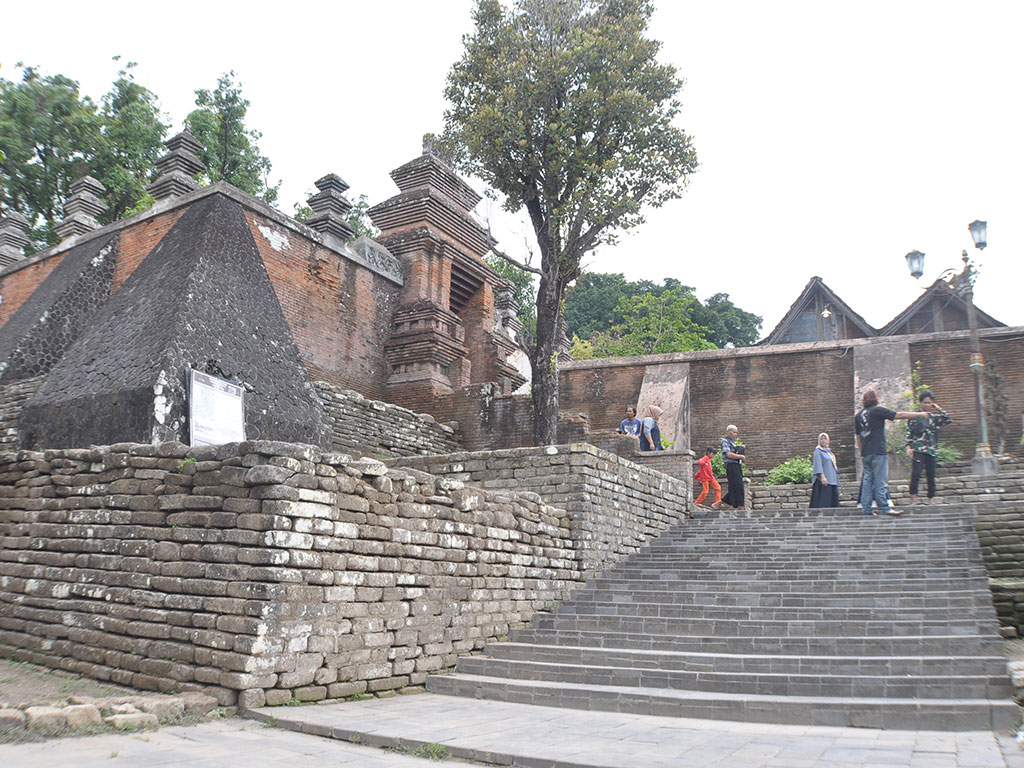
544	363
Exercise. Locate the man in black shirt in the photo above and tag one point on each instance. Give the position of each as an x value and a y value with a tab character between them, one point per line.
870	427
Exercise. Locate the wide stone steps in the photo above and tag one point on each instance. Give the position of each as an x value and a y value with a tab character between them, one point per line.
766	683
753	627
948	599
751	663
581	609
904	714
788	616
894	645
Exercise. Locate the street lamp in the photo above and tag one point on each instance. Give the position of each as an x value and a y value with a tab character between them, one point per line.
983	463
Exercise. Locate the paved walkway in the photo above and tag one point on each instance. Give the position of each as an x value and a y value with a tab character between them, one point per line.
542	737
223	744
511	734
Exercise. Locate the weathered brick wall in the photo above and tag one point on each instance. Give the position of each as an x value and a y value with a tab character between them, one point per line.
339	312
366	427
615	505
944	367
601	390
138	240
262	571
12	397
18	284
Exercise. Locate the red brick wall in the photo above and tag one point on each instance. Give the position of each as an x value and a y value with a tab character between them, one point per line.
601	393
137	241
944	368
16	287
339	311
779	402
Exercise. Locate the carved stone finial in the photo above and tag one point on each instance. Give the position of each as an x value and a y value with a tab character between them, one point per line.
13	238
81	208
331	207
178	168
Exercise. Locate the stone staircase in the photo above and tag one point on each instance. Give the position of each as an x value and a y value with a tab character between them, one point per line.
821	617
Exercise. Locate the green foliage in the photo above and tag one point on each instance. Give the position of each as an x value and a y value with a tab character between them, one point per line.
230	149
357	218
651	324
591	303
49	133
798	469
718	464
133	135
524	291
53	135
562	106
947	454
666	444
144	204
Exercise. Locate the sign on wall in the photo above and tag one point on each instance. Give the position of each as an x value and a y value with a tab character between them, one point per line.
216	410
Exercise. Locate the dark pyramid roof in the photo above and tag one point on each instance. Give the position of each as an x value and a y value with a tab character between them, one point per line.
201	299
942	291
816	285
37	335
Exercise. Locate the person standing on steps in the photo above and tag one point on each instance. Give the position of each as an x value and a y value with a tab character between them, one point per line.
706	476
923	444
650	435
825	491
870	427
733	455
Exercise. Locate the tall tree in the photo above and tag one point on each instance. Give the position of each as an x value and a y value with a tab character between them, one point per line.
53	135
48	132
133	135
231	152
562	106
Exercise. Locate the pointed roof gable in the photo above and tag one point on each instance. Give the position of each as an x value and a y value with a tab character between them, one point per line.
815	286
942	292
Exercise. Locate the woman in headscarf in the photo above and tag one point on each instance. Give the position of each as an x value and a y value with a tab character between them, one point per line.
825	491
650	435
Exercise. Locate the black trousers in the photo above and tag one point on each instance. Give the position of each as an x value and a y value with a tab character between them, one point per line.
923	462
734	474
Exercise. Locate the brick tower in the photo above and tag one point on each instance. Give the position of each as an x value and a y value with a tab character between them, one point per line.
445	333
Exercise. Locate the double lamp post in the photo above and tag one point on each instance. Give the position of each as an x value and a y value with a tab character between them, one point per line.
983	463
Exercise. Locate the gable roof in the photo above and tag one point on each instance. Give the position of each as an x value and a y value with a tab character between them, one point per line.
940	290
815	286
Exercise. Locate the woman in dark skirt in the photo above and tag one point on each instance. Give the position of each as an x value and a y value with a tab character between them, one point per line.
825	491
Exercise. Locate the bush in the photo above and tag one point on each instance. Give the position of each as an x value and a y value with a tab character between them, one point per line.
947	454
799	469
717	464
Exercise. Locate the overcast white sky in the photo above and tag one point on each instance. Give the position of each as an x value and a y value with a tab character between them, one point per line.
834	137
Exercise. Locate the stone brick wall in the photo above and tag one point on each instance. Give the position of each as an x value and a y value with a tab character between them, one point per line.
12	397
944	368
366	427
615	505
262	572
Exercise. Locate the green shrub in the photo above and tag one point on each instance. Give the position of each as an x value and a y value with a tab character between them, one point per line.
717	464
799	469
947	454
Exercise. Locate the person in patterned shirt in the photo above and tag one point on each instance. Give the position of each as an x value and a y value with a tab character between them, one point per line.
923	444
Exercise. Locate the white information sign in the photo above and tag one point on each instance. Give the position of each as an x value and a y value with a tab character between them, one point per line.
216	410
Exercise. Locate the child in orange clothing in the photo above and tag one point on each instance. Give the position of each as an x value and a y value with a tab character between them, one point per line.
707	477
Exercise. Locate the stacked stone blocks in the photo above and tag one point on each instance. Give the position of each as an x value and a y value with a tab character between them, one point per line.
263	572
616	505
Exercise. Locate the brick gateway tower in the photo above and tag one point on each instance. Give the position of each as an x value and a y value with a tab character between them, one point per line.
446	333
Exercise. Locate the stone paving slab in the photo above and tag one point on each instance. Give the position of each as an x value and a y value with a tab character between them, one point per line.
503	733
223	744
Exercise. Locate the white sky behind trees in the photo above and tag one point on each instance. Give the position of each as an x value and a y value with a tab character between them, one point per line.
834	137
